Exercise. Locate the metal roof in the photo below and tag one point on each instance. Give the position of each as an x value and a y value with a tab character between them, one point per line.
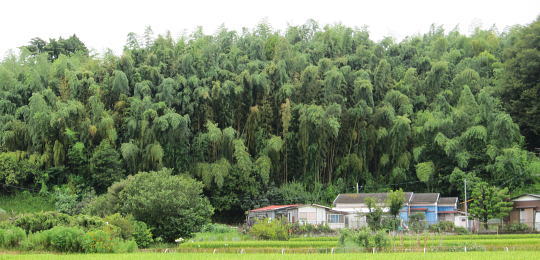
425	198
448	200
354	198
532	195
274	207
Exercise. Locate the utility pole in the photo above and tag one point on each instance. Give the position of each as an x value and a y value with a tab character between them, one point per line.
357	191
466	208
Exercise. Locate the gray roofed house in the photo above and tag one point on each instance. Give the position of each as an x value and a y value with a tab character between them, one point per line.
358	198
431	205
448	200
425	198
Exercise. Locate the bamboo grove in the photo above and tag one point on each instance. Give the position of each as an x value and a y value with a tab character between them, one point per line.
262	116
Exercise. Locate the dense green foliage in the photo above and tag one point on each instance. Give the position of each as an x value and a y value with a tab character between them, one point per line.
364	238
270	229
113	227
171	205
261	116
489	202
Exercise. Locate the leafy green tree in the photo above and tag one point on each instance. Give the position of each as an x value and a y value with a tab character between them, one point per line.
395	201
105	167
489	202
245	113
172	206
521	82
375	215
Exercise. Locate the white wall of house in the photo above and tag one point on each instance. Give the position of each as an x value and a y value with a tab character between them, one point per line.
460	221
312	215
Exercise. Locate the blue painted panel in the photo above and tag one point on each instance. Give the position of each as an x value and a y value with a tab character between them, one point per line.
430	212
431	215
446	208
404	213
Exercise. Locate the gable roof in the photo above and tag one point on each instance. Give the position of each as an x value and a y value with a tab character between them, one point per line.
355	198
523	195
425	198
274	207
447	200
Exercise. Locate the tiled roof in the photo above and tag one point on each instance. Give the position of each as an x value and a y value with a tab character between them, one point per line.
448	200
274	207
425	198
354	198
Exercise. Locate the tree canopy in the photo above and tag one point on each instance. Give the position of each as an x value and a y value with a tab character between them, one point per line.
257	116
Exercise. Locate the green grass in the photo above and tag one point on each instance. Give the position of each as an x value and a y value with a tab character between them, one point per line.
212	236
528	241
25	202
526	255
432	236
260	244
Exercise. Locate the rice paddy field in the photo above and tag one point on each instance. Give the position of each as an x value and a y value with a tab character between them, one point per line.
529	255
237	246
429	242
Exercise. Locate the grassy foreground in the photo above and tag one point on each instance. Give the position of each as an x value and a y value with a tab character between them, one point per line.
133	256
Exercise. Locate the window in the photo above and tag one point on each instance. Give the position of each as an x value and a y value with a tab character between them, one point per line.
335	218
522	216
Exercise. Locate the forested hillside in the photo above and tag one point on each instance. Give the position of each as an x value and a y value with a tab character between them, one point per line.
262	116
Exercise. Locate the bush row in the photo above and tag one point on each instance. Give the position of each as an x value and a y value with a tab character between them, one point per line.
44	225
277	229
65	239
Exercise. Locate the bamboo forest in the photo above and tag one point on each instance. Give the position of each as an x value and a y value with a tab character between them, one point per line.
263	116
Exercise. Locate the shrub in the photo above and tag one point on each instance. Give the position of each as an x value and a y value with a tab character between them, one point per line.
87	222
381	240
365	238
125	246
362	238
11	237
124	223
98	241
172	206
268	229
62	239
443	226
129	228
300	229
391	223
344	235
142	234
217	228
35	222
461	231
517	227
417	223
